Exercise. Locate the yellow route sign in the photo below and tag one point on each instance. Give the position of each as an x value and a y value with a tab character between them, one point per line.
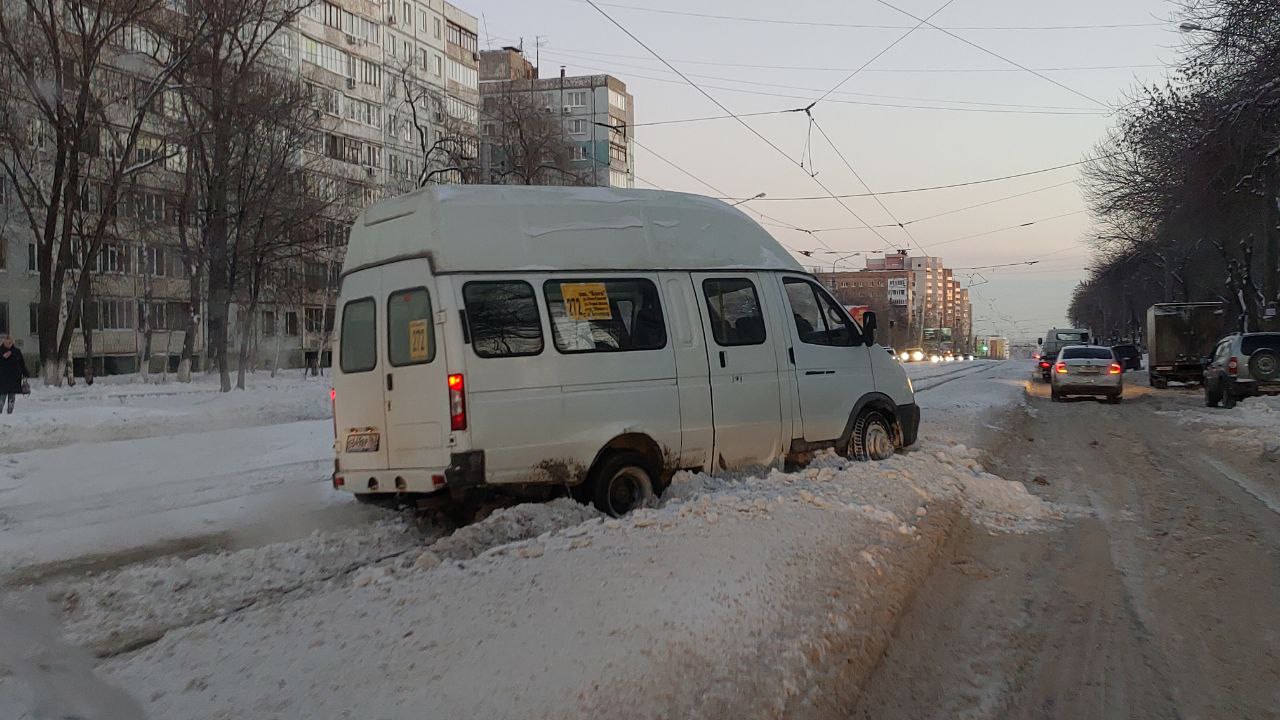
586	301
419	349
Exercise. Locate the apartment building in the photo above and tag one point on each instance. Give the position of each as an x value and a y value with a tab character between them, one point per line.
596	114
396	79
918	293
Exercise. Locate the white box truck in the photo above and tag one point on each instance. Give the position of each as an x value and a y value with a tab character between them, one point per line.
532	339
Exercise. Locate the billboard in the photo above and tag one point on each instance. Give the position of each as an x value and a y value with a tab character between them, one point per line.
897	291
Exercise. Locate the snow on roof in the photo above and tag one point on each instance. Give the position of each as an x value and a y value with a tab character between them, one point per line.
488	228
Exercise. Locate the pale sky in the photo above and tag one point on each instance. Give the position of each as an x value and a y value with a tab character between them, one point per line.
1026	122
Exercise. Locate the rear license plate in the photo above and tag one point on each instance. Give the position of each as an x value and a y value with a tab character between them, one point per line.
363	442
1089	371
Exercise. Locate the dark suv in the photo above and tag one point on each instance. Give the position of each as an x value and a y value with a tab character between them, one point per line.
1243	365
1130	356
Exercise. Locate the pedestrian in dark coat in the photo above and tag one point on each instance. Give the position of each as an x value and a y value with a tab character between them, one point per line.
13	371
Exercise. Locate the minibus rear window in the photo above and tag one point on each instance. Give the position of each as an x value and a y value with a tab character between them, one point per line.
410	332
503	318
605	315
358	350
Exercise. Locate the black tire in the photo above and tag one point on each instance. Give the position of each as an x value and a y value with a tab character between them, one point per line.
622	483
874	437
1265	365
1228	396
1054	395
1211	397
1114	399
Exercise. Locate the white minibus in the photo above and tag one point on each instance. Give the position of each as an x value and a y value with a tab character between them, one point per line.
532	340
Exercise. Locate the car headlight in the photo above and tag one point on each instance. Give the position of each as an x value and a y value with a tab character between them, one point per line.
905	357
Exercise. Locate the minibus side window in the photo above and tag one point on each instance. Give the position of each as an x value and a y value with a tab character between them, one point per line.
503	318
605	315
410	332
359	343
734	309
818	319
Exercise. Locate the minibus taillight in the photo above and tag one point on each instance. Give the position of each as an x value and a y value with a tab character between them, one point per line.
457	403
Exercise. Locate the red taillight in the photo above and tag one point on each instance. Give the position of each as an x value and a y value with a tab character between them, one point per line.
1233	366
1044	363
457	403
1115	368
1061	367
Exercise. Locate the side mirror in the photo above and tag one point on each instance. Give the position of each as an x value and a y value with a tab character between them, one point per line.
1039	341
869	325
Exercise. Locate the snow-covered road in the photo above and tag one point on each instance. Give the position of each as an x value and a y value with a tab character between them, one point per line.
98	476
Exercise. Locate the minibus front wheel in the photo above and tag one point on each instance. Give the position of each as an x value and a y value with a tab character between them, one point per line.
622	483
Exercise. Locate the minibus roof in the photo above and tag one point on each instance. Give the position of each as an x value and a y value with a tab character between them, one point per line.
504	228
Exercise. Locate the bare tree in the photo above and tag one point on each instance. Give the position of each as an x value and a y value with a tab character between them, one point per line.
249	119
528	144
78	83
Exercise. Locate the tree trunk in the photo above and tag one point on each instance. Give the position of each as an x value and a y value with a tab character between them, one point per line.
246	330
189	332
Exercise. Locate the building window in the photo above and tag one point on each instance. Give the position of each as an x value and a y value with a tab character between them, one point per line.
422	20
113	259
576	98
503	318
291	323
581	152
605	315
439	66
268	323
313	319
437	27
577	126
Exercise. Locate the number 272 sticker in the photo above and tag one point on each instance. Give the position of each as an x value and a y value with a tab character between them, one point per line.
418	343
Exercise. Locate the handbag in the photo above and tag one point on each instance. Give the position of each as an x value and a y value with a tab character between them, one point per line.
26	387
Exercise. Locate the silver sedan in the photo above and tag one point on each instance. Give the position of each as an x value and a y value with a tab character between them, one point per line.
1087	370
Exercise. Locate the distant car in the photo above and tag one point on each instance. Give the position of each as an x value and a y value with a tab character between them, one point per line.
1129	355
967	356
1243	365
912	355
892	353
1087	370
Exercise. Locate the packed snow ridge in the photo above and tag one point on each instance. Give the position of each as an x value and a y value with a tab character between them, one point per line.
760	596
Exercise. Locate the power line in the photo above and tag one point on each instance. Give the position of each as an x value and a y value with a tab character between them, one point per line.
682	121
793	86
811	23
926	189
864	183
742	122
995	54
1009	227
827	68
875	57
867	103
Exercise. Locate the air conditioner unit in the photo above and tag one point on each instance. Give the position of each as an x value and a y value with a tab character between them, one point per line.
351	39
351	83
566	109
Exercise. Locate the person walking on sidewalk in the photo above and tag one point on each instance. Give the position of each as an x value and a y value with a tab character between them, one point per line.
13	373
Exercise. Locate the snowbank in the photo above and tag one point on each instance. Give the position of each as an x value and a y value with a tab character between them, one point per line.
766	596
1252	426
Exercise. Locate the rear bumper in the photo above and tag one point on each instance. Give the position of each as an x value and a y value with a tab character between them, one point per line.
1101	388
909	420
466	469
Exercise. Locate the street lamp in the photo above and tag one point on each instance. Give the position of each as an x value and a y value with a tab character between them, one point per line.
1187	26
1190	26
757	196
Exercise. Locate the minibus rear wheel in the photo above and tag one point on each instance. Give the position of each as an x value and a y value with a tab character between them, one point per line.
623	482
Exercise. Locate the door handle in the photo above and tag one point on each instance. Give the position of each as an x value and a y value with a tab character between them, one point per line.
721	358
389	383
791	354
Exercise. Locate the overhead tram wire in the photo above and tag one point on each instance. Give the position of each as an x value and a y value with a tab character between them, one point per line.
875	57
812	23
880	202
742	122
967	183
1008	227
995	54
781	223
